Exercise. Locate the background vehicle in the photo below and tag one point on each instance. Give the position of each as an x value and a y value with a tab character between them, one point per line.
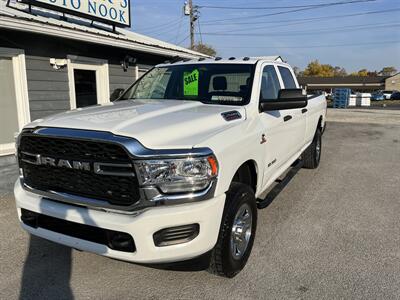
173	169
387	94
377	96
395	96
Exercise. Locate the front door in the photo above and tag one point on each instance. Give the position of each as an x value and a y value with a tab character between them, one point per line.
275	129
282	128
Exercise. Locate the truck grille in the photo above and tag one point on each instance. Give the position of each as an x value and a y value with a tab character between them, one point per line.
114	189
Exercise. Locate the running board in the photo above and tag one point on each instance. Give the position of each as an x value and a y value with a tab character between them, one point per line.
280	185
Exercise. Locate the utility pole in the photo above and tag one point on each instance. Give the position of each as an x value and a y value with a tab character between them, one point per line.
193	13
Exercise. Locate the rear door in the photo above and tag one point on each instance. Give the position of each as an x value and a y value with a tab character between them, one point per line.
295	119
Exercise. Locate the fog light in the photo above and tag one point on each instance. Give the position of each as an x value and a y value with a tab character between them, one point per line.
29	218
120	241
176	235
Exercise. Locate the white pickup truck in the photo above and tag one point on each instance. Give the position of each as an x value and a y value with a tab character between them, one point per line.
173	169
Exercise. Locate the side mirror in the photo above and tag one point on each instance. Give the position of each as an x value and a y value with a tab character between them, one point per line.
116	94
287	99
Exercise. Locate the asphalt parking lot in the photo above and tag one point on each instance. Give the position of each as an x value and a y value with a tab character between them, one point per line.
332	233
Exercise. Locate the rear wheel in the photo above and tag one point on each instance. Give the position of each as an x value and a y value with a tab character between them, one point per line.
312	155
237	232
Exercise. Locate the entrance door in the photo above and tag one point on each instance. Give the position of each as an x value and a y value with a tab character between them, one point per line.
88	82
14	107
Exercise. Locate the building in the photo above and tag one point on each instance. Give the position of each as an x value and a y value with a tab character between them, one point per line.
356	83
392	83
50	63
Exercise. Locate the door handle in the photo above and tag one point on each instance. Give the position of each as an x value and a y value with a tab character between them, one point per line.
287	118
304	110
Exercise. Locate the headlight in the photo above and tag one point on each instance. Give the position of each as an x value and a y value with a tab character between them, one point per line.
178	175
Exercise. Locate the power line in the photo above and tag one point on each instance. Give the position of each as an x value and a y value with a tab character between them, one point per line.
159	25
201	36
179	29
184	39
309	19
281	7
299	22
288	11
327	30
312	46
166	29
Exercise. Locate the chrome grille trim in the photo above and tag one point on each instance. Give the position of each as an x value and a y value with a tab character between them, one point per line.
134	148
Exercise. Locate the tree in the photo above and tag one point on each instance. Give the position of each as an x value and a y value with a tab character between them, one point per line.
314	68
205	49
388	71
363	73
339	71
296	70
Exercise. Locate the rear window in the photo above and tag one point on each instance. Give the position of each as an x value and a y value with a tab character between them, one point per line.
287	78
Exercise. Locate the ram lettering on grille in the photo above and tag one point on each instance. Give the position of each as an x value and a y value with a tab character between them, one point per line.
98	170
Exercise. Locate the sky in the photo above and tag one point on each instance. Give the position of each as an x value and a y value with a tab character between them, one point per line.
354	36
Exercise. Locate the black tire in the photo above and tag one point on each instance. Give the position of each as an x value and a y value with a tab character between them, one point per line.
223	260
312	155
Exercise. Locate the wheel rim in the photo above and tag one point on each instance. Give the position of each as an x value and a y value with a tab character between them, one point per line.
241	231
318	149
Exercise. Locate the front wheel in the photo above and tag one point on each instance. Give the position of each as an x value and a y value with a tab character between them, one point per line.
237	232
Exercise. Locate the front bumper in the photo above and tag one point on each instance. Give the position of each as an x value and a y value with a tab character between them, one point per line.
207	214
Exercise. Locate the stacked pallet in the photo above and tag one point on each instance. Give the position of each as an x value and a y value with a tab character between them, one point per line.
360	99
341	98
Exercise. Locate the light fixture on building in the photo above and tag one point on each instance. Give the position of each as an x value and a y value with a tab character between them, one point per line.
128	61
58	63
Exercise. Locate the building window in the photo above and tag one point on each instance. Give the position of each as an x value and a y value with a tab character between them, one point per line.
88	81
85	87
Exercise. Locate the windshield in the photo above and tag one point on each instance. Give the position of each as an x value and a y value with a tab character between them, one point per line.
209	83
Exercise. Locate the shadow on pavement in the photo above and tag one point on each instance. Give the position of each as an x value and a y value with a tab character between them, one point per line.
200	263
47	271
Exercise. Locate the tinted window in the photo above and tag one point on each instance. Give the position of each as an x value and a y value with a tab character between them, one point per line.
287	78
269	84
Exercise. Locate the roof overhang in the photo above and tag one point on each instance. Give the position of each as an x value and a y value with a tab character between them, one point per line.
32	26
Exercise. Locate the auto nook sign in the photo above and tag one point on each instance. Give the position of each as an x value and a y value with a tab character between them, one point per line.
115	12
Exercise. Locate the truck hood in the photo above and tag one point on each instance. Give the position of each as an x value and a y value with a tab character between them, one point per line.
157	124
